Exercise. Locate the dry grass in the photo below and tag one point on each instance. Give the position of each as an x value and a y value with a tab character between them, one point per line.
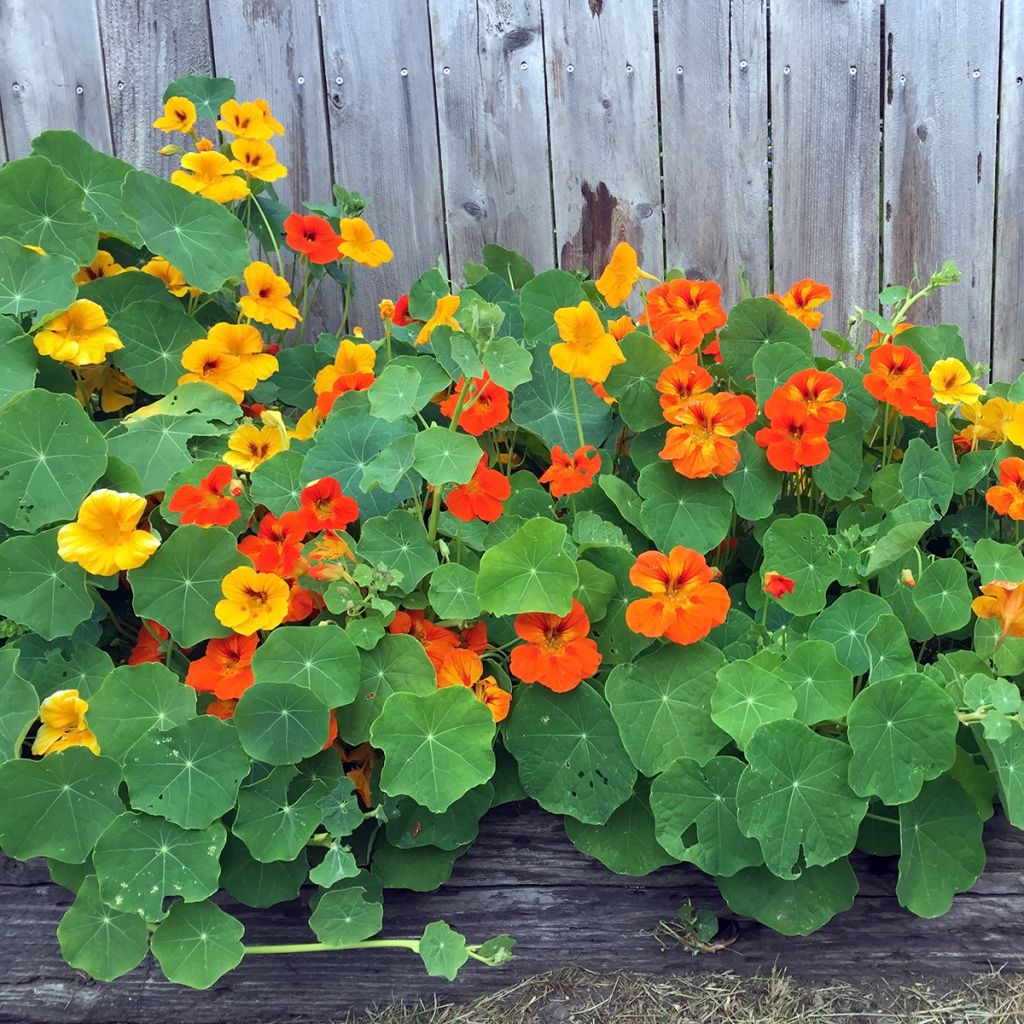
576	996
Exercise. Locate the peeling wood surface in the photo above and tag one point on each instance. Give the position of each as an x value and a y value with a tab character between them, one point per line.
522	877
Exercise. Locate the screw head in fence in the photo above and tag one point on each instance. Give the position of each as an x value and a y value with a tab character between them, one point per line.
404	72
853	69
679	69
975	73
629	69
786	70
522	66
743	65
301	79
79	90
339	80
570	68
446	71
15	87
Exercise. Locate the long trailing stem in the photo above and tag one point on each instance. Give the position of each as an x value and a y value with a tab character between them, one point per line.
435	509
576	411
272	236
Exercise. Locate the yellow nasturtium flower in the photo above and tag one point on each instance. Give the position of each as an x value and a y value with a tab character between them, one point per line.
116	390
276	127
988	421
621	275
252	600
171	276
247	120
207	361
179	116
80	335
267	301
63	724
587	350
103	265
211	175
443	316
308	424
258	159
250	446
952	383
105	537
359	243
245	342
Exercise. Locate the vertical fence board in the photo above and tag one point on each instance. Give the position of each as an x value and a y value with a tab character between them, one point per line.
940	144
384	128
145	51
602	107
713	59
1008	292
489	77
53	72
825	148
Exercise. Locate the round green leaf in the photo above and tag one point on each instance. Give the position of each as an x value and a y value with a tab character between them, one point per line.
398	541
997	561
34	281
409	825
633	382
540	297
58	806
339	862
422	869
276	482
208	94
902	732
180	585
801	549
442	950
941	849
845	624
753	484
398	664
694	513
889	651
281	723
278	814
822	686
343	916
443	456
746	697
507	363
155	333
926	475
141	860
51	456
437	746
774	364
753	325
943	596
792	907
99	940
19	705
258	884
39	589
452	592
197	943
661	706
571	760
839	475
19	361
320	658
189	774
794	797
1007	760
528	572
135	700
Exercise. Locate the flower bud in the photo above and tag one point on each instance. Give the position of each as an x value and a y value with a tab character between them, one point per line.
907	577
170	150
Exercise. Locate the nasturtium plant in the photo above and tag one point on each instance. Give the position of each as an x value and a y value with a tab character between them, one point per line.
290	604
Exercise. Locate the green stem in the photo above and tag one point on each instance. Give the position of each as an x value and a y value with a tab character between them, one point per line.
435	509
344	309
316	947
304	298
576	411
882	817
273	238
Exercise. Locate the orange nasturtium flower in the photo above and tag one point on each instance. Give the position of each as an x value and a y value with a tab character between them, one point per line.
437	641
952	383
682	312
63	724
558	651
105	537
685	603
257	158
621	275
225	670
211	503
207	361
878	336
222	709
462	667
897	377
571	474
325	507
103	265
179	116
778	585
679	382
116	390
1002	600
250	446
312	236
794	439
277	546
359	243
812	390
352	370
802	301
443	316
267	301
1007	497
252	601
211	175
486	407
171	276
151	644
80	335
481	497
701	443
586	350
618	329
247	120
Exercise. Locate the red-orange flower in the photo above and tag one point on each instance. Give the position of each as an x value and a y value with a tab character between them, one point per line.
312	236
1004	601
302	603
702	442
325	507
151	644
1007	497
679	382
211	503
682	312
813	390
897	376
803	299
462	667
277	546
225	670
778	585
486	405
795	438
877	336
568	475
475	637
340	386
437	641
400	317
558	652
482	497
685	604
222	709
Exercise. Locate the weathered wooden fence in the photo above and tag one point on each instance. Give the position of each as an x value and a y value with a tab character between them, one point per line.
849	140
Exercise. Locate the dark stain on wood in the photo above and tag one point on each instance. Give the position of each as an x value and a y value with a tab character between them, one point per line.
517	39
524	878
888	69
600	223
596	7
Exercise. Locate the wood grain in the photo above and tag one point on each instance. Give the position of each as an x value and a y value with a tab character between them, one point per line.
825	145
492	124
713	60
522	877
940	147
52	77
602	110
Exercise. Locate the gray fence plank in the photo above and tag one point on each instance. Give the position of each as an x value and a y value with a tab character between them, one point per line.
145	51
941	88
713	59
602	106
492	124
383	124
1008	291
825	95
52	72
